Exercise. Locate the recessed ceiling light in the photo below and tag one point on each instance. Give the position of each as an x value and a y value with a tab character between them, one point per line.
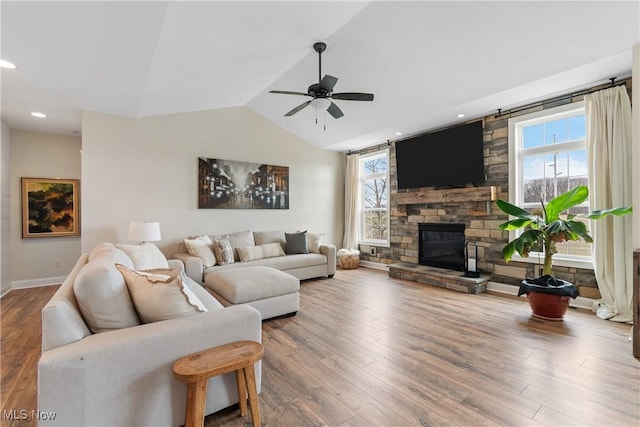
38	114
460	115
6	64
398	133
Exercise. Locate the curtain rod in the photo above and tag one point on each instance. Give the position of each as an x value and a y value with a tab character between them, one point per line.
557	99
371	148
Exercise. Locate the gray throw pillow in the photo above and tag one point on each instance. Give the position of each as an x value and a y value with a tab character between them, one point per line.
296	243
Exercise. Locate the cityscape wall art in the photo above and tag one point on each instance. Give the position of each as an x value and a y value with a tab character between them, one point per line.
232	184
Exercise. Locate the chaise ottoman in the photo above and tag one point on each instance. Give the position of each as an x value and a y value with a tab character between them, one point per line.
272	292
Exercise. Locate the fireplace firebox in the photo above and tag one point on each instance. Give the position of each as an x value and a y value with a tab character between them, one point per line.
441	245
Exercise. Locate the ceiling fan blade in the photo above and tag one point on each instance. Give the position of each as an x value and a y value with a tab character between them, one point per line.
298	108
353	96
328	82
288	92
335	111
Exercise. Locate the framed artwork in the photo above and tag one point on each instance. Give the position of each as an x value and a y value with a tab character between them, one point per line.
50	207
231	184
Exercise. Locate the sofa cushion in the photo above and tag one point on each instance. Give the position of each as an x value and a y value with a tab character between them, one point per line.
296	243
283	263
160	294
239	239
248	284
265	237
251	253
223	250
201	247
102	295
145	256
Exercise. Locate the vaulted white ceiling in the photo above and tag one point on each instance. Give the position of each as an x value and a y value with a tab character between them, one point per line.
425	61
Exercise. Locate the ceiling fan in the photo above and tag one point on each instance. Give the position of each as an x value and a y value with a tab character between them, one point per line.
322	92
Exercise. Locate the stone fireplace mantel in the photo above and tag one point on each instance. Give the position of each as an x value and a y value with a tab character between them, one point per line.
449	195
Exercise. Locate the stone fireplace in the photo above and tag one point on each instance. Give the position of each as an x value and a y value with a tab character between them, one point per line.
441	245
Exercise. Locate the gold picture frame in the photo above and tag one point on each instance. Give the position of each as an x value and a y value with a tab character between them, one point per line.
50	207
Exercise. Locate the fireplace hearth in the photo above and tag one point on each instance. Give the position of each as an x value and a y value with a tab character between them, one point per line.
441	245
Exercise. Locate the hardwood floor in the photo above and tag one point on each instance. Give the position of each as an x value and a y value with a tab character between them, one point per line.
366	350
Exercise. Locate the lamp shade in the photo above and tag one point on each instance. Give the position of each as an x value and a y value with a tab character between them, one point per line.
144	232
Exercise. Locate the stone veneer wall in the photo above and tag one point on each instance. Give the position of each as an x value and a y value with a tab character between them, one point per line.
480	218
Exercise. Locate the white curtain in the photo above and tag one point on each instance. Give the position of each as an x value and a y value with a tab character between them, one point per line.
608	115
351	204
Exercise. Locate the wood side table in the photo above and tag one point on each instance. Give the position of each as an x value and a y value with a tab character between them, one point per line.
196	369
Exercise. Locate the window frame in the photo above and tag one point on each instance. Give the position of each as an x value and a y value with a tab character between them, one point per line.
515	126
361	180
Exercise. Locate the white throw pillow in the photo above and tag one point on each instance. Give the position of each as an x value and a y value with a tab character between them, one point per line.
145	256
160	295
313	242
201	247
251	253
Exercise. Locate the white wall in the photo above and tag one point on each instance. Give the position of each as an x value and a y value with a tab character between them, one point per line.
147	170
635	138
40	261
5	211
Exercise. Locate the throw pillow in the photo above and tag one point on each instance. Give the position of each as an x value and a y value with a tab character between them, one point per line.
252	253
144	257
102	295
313	242
296	243
157	296
201	247
223	250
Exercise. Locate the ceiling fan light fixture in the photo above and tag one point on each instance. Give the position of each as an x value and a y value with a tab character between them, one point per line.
320	103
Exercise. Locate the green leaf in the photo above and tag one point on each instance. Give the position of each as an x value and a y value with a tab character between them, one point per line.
520	244
515	224
508	251
605	212
514	210
580	229
565	201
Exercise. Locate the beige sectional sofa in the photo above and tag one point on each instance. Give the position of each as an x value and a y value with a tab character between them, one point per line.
320	261
101	365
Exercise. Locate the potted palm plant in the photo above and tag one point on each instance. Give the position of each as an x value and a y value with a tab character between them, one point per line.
549	296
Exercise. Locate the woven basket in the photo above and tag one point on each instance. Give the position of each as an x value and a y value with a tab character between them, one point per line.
349	261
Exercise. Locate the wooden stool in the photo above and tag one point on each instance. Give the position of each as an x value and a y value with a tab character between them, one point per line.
196	369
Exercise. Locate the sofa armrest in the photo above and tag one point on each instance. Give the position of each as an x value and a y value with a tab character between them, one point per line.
120	377
176	263
330	252
192	266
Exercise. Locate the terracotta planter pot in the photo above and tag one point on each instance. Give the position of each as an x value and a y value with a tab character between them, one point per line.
548	306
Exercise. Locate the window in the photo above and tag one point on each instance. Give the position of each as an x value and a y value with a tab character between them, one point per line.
548	156
374	190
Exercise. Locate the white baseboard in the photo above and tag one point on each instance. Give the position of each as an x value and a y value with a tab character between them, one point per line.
502	288
35	283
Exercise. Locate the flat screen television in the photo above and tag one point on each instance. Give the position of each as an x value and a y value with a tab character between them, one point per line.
452	157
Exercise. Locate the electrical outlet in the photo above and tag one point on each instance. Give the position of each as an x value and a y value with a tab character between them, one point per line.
372	251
